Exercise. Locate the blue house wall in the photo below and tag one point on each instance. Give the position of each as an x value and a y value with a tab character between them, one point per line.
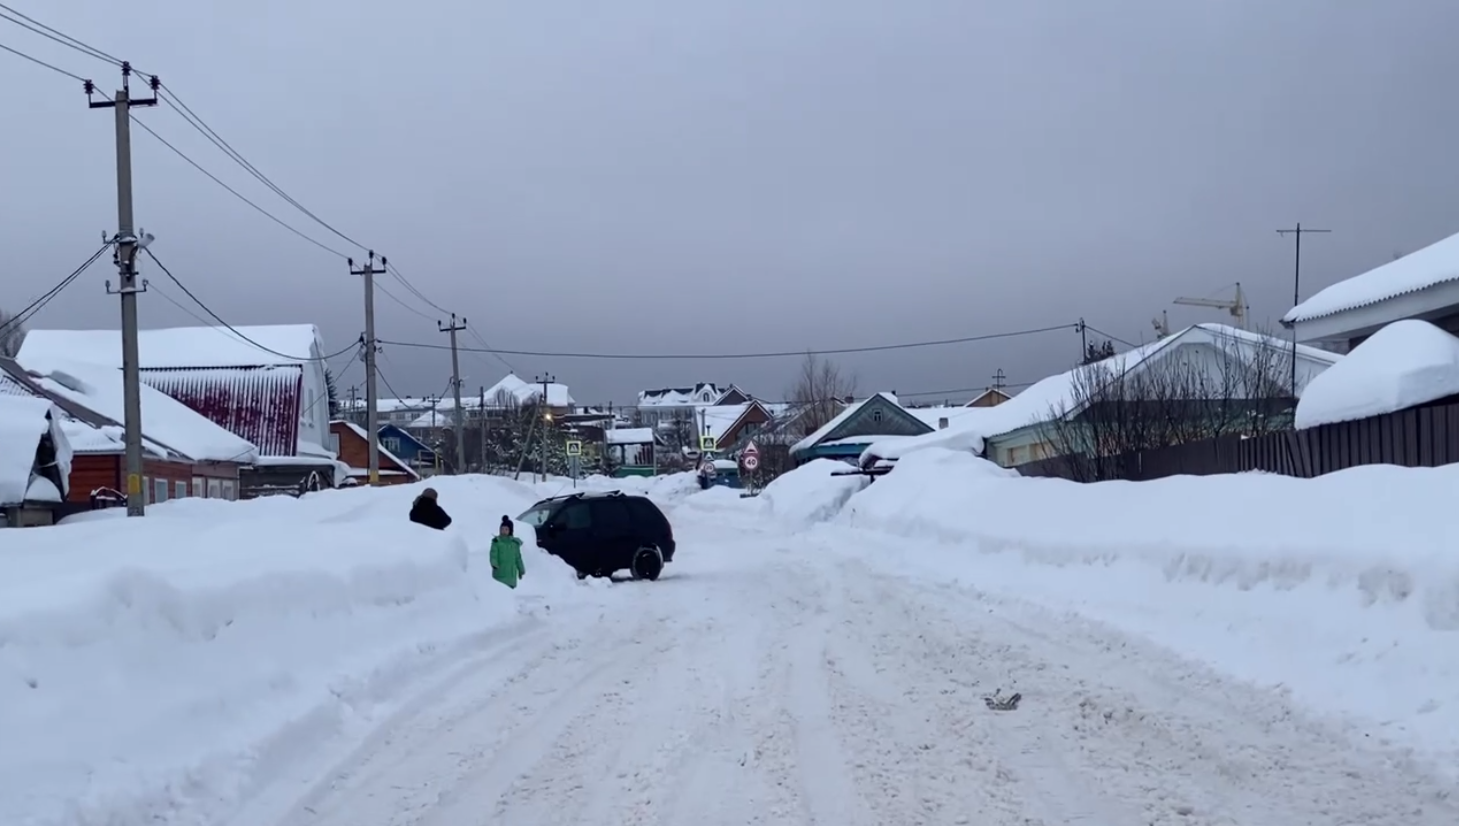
412	450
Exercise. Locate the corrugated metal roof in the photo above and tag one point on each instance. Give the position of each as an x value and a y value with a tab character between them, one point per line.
260	404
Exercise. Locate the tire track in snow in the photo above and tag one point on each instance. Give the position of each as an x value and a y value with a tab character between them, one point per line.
1106	732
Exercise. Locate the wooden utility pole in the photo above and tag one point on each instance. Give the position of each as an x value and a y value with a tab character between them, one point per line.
125	255
1297	289
481	425
372	398
460	417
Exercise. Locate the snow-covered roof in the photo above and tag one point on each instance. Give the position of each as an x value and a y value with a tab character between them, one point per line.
1435	264
179	347
699	395
1405	364
962	437
164	419
23	421
850	410
717	419
629	436
933	416
363	434
1041	401
390	405
87	430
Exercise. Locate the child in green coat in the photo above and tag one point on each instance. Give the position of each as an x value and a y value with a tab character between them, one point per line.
506	556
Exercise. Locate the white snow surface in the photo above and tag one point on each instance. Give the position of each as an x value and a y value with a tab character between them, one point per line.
816	654
1407	363
1428	267
178	347
23	420
165	420
22	423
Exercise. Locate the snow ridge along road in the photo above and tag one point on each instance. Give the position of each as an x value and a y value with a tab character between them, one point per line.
778	680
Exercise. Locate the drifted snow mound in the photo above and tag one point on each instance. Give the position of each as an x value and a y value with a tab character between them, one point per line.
1405	364
809	494
1383	531
155	670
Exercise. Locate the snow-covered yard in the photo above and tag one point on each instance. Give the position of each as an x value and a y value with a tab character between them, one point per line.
1238	650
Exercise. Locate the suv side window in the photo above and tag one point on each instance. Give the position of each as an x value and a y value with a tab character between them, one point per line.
610	515
645	514
575	517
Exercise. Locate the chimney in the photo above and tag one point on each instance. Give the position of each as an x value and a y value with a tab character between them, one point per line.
942	423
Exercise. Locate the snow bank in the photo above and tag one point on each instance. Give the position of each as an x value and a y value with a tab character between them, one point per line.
1343	590
809	493
963	435
161	668
1405	364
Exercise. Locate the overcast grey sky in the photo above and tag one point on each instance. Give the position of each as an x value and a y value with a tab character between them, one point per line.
670	176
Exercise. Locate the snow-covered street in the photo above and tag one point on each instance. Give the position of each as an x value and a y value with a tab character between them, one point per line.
776	680
793	666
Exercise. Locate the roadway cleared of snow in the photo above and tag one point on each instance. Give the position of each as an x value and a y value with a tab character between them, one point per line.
778	680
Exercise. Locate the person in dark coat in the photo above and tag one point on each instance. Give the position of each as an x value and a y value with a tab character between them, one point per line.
425	510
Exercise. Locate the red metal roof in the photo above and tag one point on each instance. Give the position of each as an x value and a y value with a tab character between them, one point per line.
260	404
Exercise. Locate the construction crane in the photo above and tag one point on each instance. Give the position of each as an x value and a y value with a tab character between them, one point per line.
1161	324
1237	306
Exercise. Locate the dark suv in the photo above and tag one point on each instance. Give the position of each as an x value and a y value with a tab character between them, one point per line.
599	534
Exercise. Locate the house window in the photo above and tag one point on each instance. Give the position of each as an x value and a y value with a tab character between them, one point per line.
147	489
229	492
334	442
215	488
200	486
392	444
876	416
160	490
179	490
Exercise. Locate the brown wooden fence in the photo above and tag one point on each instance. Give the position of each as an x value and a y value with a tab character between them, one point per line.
1417	437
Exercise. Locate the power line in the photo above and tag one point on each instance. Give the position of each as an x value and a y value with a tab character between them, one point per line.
55	36
743	356
487	345
37	305
230	328
40	62
1100	332
175	101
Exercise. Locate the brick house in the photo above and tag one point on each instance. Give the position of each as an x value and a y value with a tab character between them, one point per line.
183	454
352	444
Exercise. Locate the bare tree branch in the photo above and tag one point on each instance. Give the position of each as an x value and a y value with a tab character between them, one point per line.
819	390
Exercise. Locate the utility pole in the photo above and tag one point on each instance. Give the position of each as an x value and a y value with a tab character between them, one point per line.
460	417
372	399
545	381
354	403
481	424
125	255
1297	290
999	380
1083	340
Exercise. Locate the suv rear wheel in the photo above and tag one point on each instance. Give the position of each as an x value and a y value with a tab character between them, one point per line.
648	563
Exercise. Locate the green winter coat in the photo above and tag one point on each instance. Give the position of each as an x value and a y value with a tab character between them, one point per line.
506	560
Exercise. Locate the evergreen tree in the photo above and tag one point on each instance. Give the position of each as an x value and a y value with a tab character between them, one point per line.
332	389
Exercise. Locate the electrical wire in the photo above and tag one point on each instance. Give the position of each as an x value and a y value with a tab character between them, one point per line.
40	62
54	35
1099	332
743	356
174	101
484	343
20	318
230	328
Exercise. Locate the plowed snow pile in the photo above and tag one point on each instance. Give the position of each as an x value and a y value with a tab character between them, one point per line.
158	667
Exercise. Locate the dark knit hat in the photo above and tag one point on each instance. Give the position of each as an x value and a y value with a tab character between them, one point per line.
507	523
